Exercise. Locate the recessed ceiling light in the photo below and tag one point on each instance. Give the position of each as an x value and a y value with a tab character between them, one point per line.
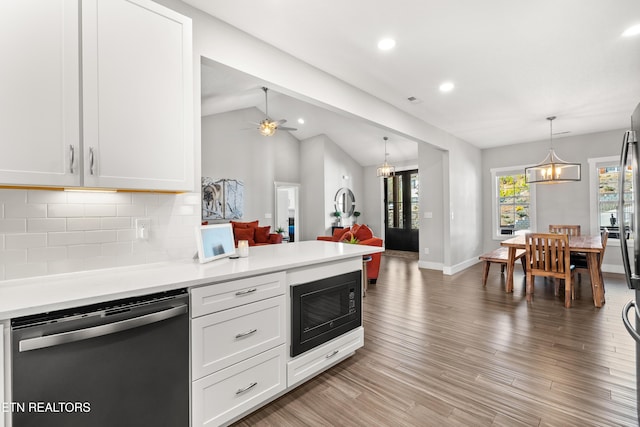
301	121
631	31
386	44
447	87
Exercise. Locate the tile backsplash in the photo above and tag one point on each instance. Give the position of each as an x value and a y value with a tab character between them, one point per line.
49	232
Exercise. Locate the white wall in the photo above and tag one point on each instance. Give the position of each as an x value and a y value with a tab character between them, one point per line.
324	165
372	205
312	187
555	204
232	148
432	233
337	165
465	201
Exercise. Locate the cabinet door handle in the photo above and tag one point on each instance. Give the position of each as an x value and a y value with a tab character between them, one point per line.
247	388
248	291
72	157
91	160
333	353
244	334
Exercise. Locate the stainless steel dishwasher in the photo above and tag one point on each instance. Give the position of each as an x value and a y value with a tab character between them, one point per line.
122	363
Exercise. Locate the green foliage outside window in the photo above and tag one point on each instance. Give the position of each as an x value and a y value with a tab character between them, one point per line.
514	200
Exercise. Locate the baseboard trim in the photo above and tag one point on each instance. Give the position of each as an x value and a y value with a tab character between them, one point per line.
430	265
460	266
612	268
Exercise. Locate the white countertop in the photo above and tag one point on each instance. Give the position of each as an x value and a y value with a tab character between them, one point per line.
23	297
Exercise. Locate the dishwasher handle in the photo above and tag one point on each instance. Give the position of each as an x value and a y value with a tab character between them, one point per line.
97	331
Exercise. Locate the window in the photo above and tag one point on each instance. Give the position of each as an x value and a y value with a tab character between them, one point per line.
399	196
604	187
514	206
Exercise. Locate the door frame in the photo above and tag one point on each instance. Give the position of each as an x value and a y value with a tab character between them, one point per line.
279	185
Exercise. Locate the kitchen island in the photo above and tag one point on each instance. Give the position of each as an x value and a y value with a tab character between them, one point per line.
22	297
235	368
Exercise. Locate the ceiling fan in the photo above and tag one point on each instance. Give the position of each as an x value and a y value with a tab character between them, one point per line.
268	127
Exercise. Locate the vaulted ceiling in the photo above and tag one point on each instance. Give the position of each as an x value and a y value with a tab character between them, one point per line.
513	62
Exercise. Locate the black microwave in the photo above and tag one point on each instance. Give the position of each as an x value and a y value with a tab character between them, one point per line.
324	309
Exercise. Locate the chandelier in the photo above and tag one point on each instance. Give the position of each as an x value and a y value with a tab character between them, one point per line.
552	170
385	170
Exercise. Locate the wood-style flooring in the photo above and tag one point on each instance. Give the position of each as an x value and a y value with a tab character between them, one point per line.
444	351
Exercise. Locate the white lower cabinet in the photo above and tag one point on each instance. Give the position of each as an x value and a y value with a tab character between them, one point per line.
238	347
320	358
227	337
240	341
219	397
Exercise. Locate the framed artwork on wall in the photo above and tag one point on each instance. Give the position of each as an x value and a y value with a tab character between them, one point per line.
222	199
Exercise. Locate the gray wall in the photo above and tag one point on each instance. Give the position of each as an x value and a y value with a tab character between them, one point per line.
232	149
562	203
324	164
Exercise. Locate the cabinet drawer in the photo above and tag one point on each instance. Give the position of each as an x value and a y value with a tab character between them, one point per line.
229	336
231	392
221	296
317	360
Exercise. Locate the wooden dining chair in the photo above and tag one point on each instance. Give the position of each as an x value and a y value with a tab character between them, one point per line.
579	260
570	230
548	255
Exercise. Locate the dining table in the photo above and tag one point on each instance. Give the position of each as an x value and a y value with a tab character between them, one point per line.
591	245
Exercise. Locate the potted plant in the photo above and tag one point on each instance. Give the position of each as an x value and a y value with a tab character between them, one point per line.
351	239
338	216
356	214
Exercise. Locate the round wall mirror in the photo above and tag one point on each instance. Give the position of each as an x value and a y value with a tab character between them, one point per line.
345	202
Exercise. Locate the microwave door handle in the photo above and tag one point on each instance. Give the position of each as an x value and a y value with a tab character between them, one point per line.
97	331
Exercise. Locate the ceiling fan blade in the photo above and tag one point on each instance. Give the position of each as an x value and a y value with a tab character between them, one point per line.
285	128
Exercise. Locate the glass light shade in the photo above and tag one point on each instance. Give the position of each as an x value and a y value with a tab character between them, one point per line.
386	170
267	128
553	170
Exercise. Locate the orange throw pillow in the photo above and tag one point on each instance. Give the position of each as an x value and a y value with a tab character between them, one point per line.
338	233
244	234
262	234
363	233
237	224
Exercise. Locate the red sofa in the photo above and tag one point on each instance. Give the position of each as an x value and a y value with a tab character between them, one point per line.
255	234
364	236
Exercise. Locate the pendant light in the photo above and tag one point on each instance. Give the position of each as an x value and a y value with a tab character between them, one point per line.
386	170
552	170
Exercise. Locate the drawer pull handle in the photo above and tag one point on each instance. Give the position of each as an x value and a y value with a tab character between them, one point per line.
248	291
244	334
247	388
333	353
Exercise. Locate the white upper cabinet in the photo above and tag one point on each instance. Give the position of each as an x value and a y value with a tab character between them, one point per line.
133	99
39	93
137	96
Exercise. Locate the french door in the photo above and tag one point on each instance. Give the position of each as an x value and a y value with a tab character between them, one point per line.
402	218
